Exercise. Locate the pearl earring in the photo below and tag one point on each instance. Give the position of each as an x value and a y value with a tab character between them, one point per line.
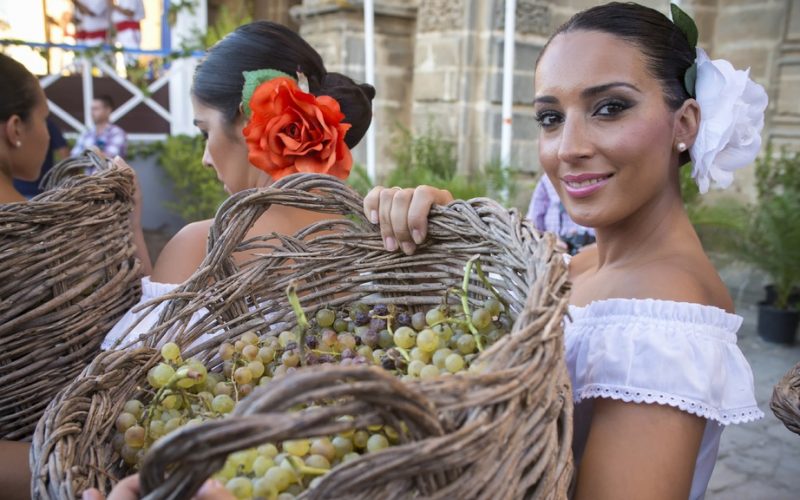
18	144
681	147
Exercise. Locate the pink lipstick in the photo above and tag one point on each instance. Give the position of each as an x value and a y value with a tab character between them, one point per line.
583	185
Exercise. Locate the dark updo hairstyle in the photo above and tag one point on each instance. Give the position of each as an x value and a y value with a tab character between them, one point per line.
218	80
18	90
665	47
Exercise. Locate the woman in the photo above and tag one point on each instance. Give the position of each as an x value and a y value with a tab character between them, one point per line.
250	142
651	320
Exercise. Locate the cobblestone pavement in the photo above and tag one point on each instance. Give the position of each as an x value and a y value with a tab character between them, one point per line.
758	460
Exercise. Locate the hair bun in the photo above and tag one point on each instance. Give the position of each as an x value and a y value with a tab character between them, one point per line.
355	101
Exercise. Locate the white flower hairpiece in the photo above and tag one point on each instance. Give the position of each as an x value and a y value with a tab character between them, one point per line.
731	119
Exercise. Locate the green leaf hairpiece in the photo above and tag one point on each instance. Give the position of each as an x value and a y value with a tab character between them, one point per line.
252	79
686	24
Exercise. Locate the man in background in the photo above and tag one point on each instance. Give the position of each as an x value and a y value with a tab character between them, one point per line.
126	16
107	137
57	150
91	18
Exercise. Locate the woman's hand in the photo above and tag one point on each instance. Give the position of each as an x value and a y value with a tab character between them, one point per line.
128	489
403	214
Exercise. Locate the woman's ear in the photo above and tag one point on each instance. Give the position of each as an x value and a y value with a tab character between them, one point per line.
12	130
687	123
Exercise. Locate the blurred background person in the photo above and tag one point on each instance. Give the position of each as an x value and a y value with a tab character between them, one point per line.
126	16
548	214
57	150
91	18
107	137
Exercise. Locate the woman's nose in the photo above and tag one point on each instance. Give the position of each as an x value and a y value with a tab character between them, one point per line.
575	142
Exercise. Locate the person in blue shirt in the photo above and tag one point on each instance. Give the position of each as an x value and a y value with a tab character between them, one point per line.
57	150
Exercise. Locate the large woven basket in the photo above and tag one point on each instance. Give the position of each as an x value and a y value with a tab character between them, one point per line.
785	403
67	271
503	434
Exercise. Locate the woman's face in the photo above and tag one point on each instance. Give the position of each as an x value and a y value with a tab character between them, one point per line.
34	138
226	150
607	138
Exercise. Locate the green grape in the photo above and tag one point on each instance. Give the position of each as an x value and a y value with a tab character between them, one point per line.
172	424
250	338
466	344
125	421
385	339
434	316
297	447
263	488
440	356
290	359
285	496
481	318
285	337
278	478
170	351
340	325
323	446
244	459
238	346
261	464
415	367
250	352
264	380
454	363
241	487
223	388
268	450
325	318
377	355
478	368
493	306
418	321
134	436
348	457
242	375
212	379
266	354
391	433
129	455
314	482
318	462
429	372
156	429
420	355
171	402
405	337
427	340
222	404
256	368
377	442
444	331
360	439
374	428
226	351
245	389
365	351
289	466
347	341
342	445
162	373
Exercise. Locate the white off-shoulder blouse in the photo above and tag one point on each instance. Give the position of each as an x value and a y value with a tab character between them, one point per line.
660	352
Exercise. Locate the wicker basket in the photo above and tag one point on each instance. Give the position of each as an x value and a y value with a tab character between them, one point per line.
67	273
504	434
785	402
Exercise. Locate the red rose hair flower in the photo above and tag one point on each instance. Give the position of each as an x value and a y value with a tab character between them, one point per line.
292	131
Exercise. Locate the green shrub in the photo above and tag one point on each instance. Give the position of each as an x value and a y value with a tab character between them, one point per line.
197	190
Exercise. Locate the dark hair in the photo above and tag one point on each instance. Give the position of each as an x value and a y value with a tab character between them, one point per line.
218	80
664	46
105	99
18	89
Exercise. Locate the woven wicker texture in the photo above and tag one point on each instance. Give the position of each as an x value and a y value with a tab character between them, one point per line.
68	272
785	401
503	434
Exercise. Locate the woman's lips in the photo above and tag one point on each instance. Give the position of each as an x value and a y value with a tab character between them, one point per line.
583	185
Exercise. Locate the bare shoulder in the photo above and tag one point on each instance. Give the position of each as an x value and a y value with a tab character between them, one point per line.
690	281
182	254
585	261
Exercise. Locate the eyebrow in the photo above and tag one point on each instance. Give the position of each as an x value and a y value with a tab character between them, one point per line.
590	92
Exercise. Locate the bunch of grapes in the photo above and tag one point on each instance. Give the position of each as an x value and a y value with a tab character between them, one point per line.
442	341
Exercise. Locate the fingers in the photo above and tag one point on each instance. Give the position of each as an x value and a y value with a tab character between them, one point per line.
92	494
371	202
420	207
213	490
386	198
399	217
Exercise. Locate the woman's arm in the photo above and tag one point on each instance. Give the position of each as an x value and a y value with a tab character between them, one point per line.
639	451
15	473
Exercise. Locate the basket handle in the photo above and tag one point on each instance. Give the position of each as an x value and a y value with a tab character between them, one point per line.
370	395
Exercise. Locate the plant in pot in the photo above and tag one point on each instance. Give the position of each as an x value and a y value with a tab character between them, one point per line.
771	242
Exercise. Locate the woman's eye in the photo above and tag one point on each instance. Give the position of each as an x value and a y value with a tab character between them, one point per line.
204	133
611	108
548	119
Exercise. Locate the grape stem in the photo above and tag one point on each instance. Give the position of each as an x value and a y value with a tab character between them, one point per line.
488	284
404	353
465	299
302	321
305	469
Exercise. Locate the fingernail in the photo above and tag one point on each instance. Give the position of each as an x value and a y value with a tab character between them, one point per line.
416	236
408	248
373	216
390	244
88	495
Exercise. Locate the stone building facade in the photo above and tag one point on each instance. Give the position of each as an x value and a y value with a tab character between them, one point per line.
439	63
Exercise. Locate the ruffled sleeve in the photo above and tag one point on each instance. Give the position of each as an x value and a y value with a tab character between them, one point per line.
654	351
141	322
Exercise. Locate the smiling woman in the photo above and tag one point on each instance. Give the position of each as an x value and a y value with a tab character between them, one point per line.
651	343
